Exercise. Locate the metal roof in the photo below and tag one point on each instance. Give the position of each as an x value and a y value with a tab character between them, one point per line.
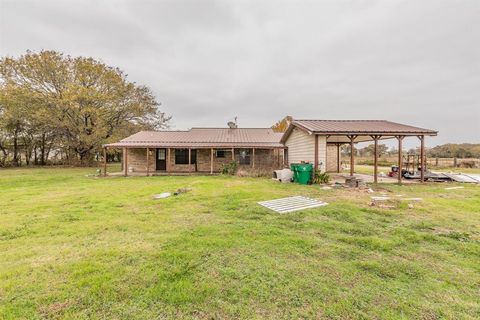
366	127
204	138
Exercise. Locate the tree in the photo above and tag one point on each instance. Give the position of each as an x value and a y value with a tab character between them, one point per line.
370	149
77	104
282	125
452	150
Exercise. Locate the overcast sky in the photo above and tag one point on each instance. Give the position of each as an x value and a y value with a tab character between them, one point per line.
415	62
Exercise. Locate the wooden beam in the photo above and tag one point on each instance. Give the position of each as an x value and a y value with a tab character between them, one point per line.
400	158
352	152
338	157
168	160
253	158
278	158
104	161
125	160
375	159
233	154
189	160
422	158
148	161
315	156
211	161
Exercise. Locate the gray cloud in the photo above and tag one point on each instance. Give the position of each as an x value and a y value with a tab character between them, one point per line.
416	62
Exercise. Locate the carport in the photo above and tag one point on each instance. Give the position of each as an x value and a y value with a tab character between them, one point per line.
341	132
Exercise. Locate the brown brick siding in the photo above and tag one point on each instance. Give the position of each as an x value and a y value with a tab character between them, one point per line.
331	158
264	159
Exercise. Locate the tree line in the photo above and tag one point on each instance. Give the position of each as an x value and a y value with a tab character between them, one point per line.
54	106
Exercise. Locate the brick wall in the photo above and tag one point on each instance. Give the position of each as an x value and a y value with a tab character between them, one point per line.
264	159
331	158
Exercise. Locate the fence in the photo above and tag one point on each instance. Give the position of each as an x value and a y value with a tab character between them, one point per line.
431	162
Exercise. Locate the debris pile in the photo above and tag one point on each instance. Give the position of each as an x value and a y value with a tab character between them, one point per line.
164	195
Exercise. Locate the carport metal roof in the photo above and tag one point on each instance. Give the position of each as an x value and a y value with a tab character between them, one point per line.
339	131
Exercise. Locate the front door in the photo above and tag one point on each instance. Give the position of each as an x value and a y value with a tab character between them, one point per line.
161	160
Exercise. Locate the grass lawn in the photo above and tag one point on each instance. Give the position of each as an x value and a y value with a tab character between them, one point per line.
74	246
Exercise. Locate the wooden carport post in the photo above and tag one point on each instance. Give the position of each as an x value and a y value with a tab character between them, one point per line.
148	161
400	158
104	161
375	158
422	158
352	152
315	156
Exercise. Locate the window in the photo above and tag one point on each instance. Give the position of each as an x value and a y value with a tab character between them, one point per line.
220	153
244	156
181	156
161	154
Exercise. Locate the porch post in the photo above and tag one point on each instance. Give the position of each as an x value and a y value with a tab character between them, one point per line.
211	161
148	161
338	157
168	160
253	158
352	152
422	158
189	160
104	161
278	157
315	158
125	161
233	154
400	158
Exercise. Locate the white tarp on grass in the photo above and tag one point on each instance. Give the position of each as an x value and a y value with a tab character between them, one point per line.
290	204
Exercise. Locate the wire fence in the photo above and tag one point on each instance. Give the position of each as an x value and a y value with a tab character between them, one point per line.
431	162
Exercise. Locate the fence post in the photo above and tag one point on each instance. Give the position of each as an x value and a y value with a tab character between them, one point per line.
436	162
455	162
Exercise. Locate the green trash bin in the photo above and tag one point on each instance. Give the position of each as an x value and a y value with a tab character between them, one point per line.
294	168
304	172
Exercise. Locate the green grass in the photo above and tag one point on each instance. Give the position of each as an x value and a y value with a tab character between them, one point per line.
75	246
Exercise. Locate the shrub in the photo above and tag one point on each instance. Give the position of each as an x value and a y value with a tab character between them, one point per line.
467	164
254	173
230	168
320	177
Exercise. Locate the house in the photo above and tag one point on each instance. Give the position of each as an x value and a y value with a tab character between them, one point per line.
201	150
207	150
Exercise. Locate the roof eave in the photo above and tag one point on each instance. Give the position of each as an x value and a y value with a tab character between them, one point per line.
381	133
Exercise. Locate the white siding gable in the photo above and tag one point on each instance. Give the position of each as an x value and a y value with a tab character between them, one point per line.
301	147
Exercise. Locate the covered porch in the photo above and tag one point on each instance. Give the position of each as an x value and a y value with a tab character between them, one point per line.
330	135
160	160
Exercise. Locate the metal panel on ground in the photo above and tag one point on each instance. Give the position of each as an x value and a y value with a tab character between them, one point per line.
459	177
291	204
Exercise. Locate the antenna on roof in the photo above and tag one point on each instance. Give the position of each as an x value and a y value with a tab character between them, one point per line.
233	124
